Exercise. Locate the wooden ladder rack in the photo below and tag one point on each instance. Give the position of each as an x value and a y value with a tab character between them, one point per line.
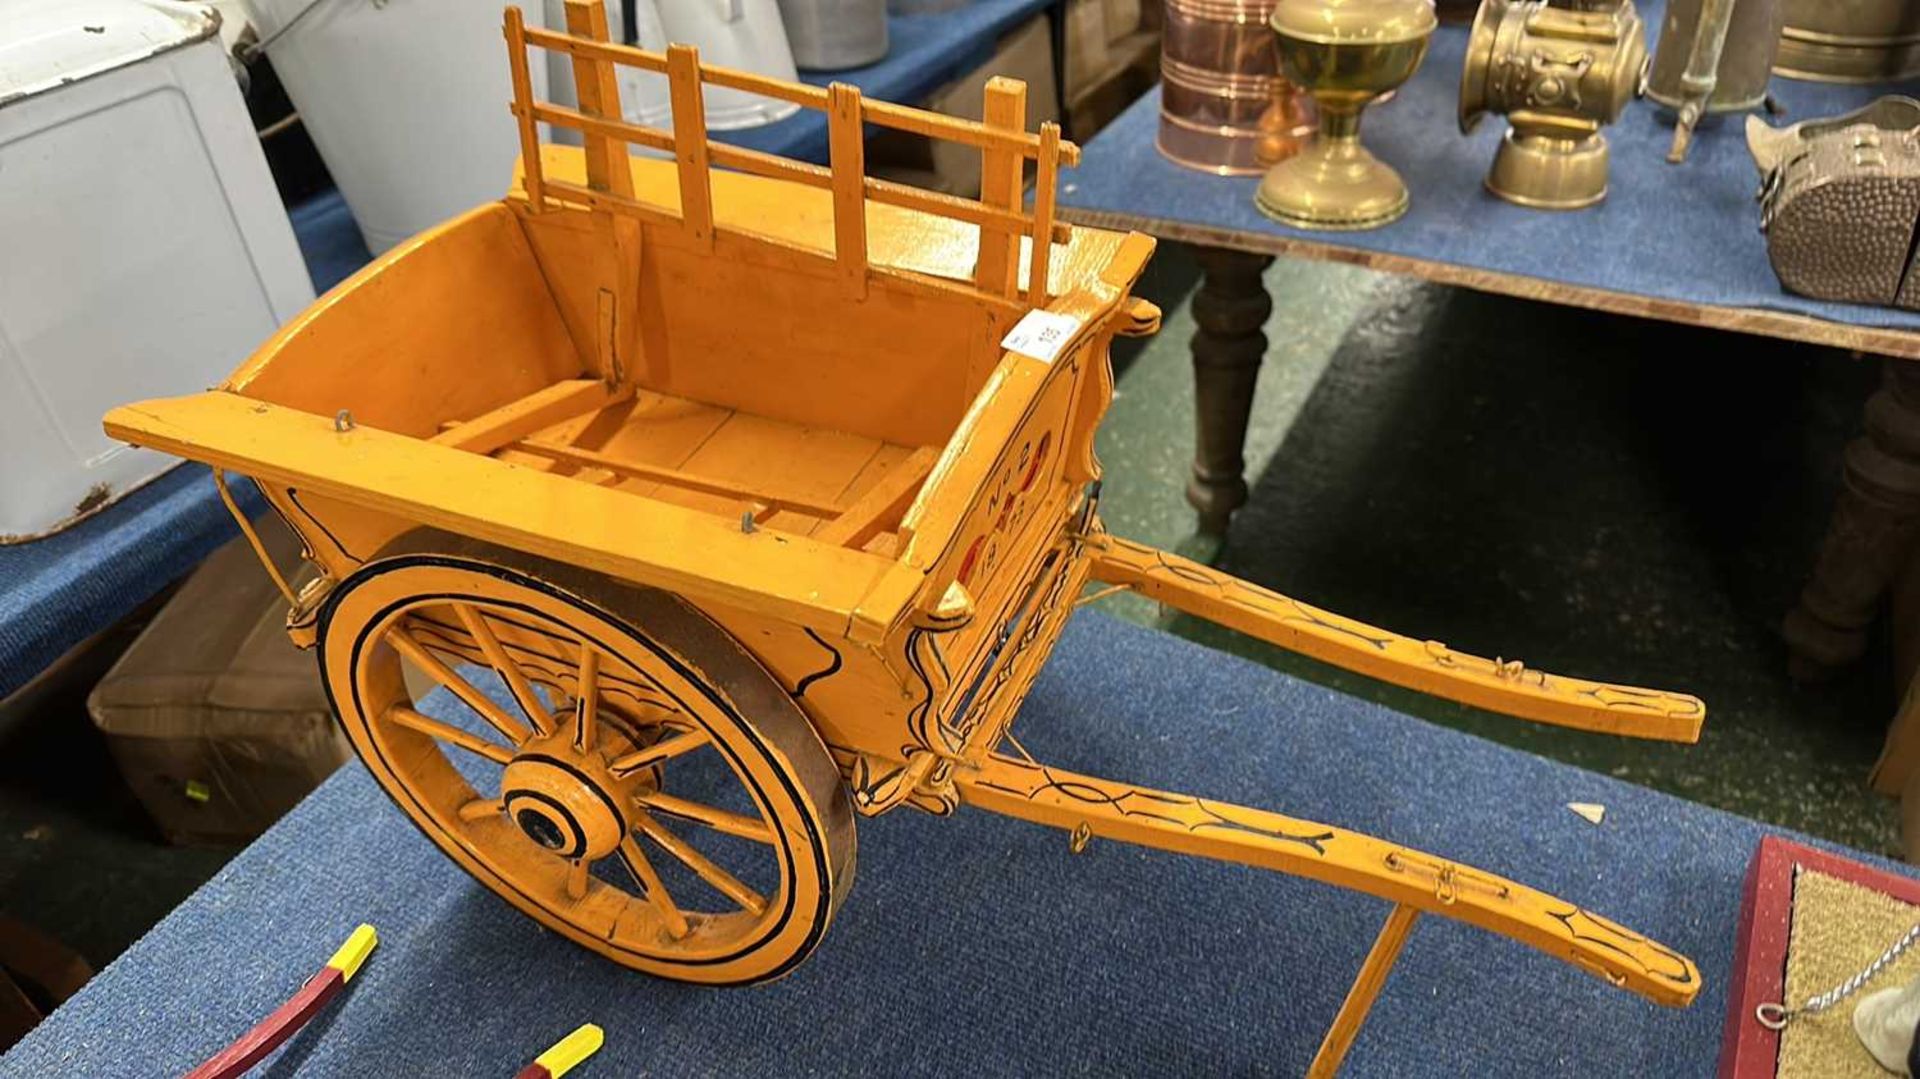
1003	141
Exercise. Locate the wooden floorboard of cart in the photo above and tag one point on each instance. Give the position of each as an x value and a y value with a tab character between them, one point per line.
809	474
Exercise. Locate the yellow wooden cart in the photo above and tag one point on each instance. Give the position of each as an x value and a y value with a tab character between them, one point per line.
762	490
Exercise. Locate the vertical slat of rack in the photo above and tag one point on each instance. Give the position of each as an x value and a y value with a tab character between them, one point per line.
534	177
1002	175
599	93
1041	253
846	152
690	141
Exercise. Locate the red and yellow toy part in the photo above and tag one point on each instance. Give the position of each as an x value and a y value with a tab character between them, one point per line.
267	1035
565	1054
758	493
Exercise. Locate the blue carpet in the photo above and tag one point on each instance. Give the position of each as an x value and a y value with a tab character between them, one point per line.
62	589
1689	233
980	945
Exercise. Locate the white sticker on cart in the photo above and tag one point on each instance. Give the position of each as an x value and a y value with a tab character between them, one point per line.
1042	334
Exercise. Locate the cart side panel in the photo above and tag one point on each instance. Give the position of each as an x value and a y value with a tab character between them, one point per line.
772	340
445	326
857	702
766	328
337	535
991	517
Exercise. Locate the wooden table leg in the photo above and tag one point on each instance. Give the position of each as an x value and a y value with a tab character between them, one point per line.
1229	310
1870	535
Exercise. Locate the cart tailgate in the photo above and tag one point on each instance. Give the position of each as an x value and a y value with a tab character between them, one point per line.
617	533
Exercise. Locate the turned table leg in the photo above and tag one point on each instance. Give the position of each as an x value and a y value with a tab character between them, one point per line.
1872	531
1228	311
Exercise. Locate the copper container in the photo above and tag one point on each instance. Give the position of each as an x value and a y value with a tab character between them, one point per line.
1224	106
1859	41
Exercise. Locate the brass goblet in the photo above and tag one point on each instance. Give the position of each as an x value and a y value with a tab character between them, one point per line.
1347	54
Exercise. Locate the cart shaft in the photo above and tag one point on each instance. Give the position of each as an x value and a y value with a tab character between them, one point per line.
1506	686
1087	806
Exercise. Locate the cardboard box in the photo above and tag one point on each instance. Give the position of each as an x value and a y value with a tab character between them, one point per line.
217	721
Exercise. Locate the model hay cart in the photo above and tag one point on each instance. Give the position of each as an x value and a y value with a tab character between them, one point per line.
761	491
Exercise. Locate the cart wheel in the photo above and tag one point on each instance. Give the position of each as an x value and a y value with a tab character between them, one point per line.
601	755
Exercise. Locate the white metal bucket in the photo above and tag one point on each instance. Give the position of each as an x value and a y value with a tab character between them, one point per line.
746	34
833	35
406	101
643	94
143	249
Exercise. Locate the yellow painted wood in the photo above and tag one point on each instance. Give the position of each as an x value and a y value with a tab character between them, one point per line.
522	78
690	143
1402	875
778	396
726	489
446	325
522	416
647	542
1366	989
1428	666
846	148
1045	190
1002	179
598	91
882	502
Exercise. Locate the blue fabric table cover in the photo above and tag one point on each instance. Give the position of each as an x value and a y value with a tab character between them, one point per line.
58	591
977	945
1688	233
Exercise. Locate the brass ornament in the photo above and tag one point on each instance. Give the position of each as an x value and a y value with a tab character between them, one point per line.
1560	72
1347	54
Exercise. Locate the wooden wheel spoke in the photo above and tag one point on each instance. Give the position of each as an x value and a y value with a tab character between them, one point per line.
724	882
504	665
451	735
586	700
665	749
577	874
719	820
653	887
481	809
418	654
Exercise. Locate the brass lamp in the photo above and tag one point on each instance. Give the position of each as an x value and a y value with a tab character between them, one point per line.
1346	53
1560	70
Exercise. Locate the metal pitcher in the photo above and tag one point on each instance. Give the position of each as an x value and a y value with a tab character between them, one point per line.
1715	56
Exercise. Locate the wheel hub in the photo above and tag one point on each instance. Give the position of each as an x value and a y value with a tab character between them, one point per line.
565	801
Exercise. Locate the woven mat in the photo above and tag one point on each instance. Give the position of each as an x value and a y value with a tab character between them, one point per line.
1838	928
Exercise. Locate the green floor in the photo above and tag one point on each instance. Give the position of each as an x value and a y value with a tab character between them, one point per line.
1601	496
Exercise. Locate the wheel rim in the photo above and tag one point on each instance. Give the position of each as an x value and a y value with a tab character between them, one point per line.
590	775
